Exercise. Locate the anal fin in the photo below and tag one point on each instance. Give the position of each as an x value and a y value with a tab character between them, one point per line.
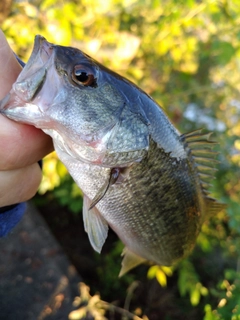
130	261
95	225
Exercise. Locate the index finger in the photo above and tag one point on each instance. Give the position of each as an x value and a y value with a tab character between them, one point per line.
20	145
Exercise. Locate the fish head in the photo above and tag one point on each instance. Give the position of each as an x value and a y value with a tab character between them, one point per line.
90	112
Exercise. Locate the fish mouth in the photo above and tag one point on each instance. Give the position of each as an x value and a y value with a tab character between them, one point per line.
41	48
33	76
20	104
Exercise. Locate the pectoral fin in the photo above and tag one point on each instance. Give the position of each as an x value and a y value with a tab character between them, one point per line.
114	174
95	225
130	261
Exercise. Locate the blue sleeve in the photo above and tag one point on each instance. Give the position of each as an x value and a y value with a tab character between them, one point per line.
10	216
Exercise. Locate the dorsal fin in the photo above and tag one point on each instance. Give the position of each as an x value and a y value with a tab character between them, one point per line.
200	147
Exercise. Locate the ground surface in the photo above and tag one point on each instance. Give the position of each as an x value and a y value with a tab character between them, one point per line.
40	266
37	281
100	272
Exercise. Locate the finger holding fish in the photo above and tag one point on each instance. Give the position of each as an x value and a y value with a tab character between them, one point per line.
21	146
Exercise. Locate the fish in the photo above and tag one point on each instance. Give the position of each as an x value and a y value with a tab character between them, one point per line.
139	175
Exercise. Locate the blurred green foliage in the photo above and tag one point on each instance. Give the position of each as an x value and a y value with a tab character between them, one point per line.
186	55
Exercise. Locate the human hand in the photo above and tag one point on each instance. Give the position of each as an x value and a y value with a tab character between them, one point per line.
21	146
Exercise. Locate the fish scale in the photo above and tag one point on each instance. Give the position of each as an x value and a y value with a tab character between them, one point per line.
156	205
139	175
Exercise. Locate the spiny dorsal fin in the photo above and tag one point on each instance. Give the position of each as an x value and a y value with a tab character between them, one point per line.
197	135
200	147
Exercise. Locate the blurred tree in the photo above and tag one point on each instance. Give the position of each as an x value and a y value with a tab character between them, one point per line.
5	8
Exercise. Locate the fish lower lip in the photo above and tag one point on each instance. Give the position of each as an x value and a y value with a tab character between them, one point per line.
4	102
28	113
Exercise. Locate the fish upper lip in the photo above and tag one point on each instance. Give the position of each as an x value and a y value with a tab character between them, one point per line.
33	76
41	49
42	46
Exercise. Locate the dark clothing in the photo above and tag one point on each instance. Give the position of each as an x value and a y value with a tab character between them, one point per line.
10	216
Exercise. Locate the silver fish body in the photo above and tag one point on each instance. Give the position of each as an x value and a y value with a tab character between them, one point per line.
138	174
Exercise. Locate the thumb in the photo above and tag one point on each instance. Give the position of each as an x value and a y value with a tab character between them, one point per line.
9	67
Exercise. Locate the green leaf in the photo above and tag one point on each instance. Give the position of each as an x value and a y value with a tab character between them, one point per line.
195	296
223	51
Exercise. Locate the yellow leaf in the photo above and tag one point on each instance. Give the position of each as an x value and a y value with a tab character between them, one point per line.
152	272
61	169
30	10
167	271
161	278
77	314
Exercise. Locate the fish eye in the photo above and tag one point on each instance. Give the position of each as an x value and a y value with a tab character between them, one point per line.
84	76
